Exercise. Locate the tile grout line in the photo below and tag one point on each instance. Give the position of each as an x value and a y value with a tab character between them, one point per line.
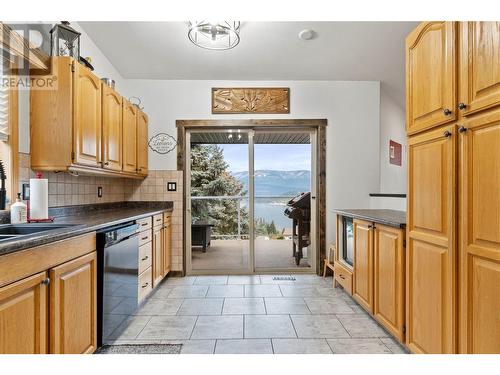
194	325
293	325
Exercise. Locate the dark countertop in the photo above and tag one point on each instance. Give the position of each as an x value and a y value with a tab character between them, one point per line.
392	218
87	218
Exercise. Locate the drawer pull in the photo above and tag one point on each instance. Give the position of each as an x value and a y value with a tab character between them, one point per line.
145	258
144	238
145	285
144	224
342	277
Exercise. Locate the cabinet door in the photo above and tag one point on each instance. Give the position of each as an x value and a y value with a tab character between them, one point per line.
363	264
142	143
388	276
23	316
111	129
157	256
73	306
167	247
479	66
86	117
129	137
431	252
480	234
430	76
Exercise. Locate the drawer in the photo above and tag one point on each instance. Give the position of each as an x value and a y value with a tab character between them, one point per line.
144	224
145	284
343	276
158	220
145	256
145	237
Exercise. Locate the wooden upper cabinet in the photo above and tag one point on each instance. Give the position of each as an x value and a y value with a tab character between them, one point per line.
363	264
73	305
112	137
389	280
23	316
142	143
480	234
479	66
129	114
431	248
87	121
431	76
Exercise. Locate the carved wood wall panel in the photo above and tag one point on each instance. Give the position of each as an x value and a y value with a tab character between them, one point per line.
250	100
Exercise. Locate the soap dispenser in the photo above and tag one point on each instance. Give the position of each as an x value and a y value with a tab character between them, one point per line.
18	211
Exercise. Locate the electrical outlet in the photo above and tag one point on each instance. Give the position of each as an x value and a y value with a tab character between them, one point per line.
171	186
99	191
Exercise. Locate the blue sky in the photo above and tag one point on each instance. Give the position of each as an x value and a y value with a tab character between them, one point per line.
285	157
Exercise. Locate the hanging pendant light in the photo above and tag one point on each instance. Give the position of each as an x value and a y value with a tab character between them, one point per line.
215	35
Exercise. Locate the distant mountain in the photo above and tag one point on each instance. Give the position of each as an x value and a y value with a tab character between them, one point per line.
277	183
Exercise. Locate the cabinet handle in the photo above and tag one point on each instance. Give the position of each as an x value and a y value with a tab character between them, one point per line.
447	134
144	224
144	238
145	285
46	281
106	163
462	106
342	277
145	258
446	112
462	129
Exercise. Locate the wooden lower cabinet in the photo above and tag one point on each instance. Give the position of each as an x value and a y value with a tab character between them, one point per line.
23	316
167	246
158	242
480	234
431	256
73	306
389	279
363	264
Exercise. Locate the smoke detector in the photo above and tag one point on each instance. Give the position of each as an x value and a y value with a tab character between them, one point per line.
307	34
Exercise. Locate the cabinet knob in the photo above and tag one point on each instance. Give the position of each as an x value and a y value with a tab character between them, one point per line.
106	163
447	134
46	281
446	112
462	106
462	129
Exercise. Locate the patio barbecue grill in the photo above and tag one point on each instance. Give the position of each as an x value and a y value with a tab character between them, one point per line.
299	210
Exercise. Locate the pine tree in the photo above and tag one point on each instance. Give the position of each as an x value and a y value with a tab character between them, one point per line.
210	177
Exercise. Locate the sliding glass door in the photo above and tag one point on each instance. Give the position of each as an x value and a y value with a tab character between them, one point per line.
239	185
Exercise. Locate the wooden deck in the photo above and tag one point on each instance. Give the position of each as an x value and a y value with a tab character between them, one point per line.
233	255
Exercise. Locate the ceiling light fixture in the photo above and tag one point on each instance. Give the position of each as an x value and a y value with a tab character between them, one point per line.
215	35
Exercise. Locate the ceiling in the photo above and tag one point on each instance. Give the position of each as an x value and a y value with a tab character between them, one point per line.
267	51
261	137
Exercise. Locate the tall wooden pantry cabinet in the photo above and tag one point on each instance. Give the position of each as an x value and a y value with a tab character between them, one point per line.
453	231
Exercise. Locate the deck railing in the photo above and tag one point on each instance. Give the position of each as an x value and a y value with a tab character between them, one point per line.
239	199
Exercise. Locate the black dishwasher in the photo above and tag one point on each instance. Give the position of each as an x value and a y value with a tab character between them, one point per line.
118	271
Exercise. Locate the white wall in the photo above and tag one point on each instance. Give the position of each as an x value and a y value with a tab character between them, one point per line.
392	126
392	177
351	108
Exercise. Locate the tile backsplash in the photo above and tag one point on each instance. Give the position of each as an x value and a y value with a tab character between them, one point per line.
68	190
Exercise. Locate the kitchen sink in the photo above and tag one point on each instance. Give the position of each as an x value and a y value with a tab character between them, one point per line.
10	231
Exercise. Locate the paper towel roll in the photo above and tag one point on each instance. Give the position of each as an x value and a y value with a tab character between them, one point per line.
39	198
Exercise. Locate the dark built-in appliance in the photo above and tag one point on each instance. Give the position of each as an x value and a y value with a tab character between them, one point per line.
299	210
347	251
117	279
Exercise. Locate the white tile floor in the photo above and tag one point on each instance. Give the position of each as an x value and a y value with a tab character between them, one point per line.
256	315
